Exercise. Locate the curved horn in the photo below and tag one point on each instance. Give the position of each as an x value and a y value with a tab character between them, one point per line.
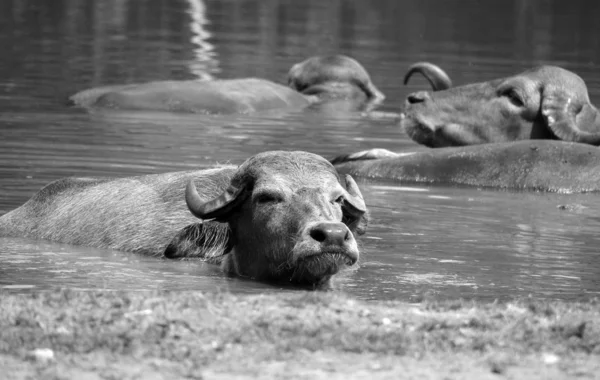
568	120
437	77
217	208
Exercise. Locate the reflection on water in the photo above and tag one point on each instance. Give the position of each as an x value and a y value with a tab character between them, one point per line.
204	63
472	243
448	242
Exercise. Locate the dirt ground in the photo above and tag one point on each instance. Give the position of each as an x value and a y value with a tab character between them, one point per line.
308	335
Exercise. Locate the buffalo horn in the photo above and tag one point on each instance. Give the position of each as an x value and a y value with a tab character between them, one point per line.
215	208
437	77
570	120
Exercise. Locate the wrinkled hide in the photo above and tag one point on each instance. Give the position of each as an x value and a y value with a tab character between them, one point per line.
313	81
137	214
546	102
542	165
280	216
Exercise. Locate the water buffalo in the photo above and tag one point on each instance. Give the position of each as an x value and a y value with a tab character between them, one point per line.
309	82
542	165
546	102
280	216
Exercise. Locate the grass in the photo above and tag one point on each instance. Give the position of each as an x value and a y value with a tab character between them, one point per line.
131	335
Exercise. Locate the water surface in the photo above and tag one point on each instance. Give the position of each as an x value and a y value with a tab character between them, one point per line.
445	242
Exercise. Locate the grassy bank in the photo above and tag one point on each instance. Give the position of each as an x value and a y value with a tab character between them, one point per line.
127	335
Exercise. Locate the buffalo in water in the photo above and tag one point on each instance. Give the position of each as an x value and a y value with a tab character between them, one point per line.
499	134
539	165
312	81
546	102
280	216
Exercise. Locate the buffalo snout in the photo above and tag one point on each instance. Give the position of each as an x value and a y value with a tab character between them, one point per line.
322	251
333	237
334	234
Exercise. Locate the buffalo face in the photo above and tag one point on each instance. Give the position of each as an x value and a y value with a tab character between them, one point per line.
335	77
545	102
289	218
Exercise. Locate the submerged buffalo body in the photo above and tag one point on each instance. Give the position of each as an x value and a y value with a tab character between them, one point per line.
547	102
228	96
500	134
310	81
278	216
543	165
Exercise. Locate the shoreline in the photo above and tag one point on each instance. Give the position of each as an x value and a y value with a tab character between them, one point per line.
71	334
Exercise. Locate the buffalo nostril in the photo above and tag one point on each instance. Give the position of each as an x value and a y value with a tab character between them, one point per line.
417	97
330	233
318	234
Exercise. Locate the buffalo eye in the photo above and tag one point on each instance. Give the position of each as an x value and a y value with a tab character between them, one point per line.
339	200
514	97
268	197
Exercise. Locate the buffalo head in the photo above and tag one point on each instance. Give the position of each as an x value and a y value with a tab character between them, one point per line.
334	77
545	102
289	218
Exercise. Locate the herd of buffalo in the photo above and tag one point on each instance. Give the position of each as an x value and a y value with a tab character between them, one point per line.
287	216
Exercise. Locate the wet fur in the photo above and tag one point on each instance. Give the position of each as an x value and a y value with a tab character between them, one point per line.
137	214
207	240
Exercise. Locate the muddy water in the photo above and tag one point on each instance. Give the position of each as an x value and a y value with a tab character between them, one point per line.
444	242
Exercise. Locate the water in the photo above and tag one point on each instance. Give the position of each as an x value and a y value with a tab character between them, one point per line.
448	242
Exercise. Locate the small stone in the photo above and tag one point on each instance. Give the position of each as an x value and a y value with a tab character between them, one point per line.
386	321
138	312
62	330
41	355
376	366
550	358
499	362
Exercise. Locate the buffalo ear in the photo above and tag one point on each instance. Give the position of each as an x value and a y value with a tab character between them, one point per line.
568	118
356	224
355	214
219	208
208	240
294	77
